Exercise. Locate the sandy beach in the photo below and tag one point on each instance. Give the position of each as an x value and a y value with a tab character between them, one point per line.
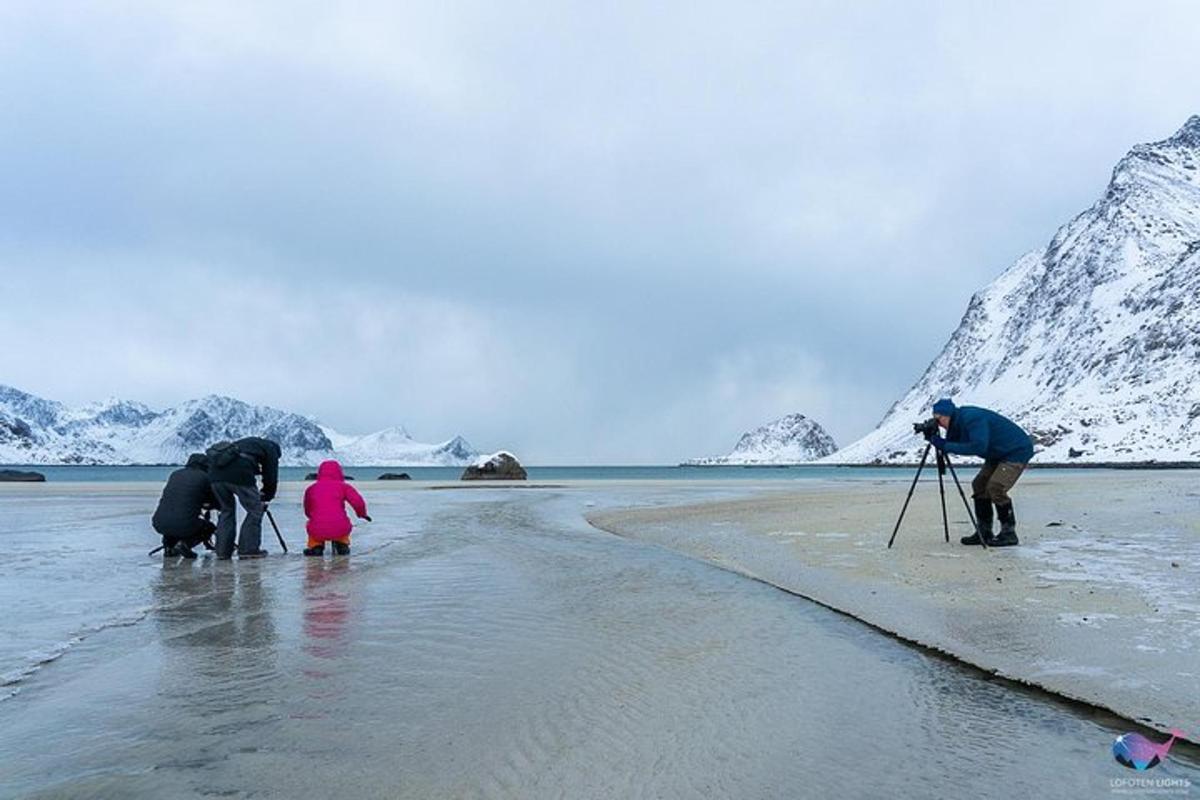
1098	604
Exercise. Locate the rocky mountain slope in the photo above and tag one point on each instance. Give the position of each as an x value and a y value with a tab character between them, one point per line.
793	439
1091	343
34	430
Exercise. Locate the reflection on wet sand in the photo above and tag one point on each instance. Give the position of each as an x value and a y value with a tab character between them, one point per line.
327	614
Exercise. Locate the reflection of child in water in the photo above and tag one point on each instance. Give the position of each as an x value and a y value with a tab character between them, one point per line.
325	506
326	614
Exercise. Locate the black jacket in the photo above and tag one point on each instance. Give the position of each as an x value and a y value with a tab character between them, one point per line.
258	457
185	497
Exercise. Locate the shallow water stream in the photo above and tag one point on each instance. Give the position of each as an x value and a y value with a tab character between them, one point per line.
480	643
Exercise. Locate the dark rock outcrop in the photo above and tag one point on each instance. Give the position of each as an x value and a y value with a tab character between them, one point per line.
20	476
496	467
394	476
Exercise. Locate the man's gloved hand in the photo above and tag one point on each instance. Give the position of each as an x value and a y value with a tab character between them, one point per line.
937	441
367	517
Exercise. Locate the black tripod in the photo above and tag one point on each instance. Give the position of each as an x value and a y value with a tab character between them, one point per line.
943	462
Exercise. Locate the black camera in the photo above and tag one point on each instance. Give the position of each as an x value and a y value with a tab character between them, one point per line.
928	428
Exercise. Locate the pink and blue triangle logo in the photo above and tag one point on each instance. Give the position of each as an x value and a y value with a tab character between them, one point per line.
1137	752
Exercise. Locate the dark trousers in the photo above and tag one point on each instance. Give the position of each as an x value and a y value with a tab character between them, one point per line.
190	537
250	540
995	479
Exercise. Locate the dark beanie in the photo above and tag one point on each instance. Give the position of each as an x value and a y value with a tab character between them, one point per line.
944	407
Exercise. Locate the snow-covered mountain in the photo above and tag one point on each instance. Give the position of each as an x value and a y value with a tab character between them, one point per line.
793	439
1091	343
34	430
394	446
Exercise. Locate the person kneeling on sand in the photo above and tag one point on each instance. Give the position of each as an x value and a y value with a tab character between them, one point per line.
182	514
325	506
1005	449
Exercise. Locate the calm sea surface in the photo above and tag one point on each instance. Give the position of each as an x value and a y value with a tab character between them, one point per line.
611	473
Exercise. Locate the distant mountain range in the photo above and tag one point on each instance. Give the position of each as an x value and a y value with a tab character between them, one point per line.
793	439
1091	343
34	430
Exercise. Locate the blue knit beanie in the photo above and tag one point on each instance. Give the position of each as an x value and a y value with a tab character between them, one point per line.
944	407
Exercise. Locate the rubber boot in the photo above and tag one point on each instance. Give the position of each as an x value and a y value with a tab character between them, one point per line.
318	550
983	516
341	549
1008	527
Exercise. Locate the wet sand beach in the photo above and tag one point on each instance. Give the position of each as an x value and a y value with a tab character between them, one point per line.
487	643
1099	603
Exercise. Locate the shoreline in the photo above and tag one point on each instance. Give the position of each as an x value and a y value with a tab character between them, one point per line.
1092	612
1114	465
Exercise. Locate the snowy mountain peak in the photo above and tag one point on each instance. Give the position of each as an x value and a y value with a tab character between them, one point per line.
31	408
792	439
1189	134
1091	343
38	431
383	448
456	450
114	411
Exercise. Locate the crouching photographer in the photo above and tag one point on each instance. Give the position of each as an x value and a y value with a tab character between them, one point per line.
1006	450
182	514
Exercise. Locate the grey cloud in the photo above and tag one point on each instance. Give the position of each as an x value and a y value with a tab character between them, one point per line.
662	225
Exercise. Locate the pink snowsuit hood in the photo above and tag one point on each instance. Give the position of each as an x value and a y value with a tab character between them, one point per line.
330	470
325	503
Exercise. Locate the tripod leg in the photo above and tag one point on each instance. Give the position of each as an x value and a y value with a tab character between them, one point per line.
941	469
970	513
924	457
278	535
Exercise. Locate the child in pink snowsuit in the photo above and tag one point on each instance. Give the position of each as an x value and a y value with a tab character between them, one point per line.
325	506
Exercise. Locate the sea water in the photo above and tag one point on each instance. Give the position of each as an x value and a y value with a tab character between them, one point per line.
805	472
480	643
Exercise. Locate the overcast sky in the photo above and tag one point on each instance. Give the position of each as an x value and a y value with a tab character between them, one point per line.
592	232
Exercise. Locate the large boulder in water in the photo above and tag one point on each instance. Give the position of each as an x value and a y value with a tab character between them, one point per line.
394	476
20	476
500	466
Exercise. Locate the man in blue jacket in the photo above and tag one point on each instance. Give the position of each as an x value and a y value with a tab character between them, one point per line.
1005	449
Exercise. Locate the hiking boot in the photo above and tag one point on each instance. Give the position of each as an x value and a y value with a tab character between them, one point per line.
341	549
983	517
319	550
1008	527
253	554
183	550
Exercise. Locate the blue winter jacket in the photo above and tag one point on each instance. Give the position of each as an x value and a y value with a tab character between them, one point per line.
980	432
